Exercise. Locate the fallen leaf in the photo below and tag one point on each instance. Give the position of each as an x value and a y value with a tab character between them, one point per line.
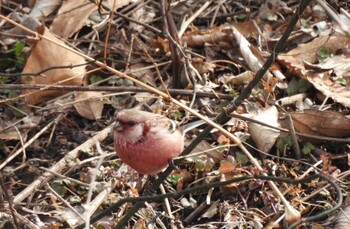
322	123
91	107
265	137
71	17
44	55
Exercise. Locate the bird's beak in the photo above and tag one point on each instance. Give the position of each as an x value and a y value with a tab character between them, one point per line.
118	126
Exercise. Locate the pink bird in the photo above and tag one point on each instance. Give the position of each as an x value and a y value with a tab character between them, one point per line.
146	141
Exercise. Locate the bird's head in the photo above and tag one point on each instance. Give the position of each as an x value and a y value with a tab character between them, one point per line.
132	125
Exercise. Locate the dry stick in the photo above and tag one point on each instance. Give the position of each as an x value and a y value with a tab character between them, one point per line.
3	189
46	86
211	185
222	117
65	177
111	13
22	144
60	165
293	136
58	196
90	208
173	92
10	158
216	13
185	25
169	28
87	205
154	64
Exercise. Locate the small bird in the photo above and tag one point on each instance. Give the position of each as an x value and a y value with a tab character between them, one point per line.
146	141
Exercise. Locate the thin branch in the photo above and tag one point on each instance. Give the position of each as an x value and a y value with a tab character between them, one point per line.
173	92
206	187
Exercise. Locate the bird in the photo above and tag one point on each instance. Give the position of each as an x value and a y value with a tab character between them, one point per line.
146	141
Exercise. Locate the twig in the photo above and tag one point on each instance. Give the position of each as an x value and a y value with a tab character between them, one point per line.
93	185
65	177
171	32
64	202
28	143
293	135
191	19
60	165
173	92
10	202
208	186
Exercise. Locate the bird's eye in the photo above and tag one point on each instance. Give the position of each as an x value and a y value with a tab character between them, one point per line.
131	123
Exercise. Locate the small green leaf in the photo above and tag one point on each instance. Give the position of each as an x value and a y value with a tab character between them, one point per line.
95	79
241	158
175	114
341	81
17	48
174	179
323	53
283	142
308	147
59	188
292	87
240	17
75	200
303	85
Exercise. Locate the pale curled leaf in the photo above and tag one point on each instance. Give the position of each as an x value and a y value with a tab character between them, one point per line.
90	106
265	137
71	17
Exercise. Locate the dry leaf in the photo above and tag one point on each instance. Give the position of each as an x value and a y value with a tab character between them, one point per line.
143	14
265	137
302	62
46	54
207	149
44	8
140	72
321	123
251	55
212	210
71	17
91	108
23	128
116	4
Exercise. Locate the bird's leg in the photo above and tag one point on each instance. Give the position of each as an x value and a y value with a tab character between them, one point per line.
149	190
172	164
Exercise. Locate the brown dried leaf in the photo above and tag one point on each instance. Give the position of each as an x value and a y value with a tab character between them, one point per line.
142	73
90	108
294	59
322	123
23	128
71	17
46	54
205	147
300	61
220	36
